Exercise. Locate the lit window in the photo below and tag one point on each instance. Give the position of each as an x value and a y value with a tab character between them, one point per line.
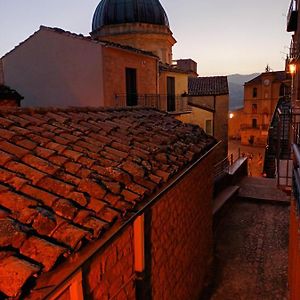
139	244
254	108
208	127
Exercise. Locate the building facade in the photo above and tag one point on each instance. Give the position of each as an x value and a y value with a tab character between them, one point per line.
94	205
126	61
261	96
209	102
293	20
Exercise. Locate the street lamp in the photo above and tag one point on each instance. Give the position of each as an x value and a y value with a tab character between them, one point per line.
292	71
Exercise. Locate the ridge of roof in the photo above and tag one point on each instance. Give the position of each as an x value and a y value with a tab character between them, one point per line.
67	176
279	76
85	38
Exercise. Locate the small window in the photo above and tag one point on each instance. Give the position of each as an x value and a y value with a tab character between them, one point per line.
254	108
282	90
254	123
254	92
208	127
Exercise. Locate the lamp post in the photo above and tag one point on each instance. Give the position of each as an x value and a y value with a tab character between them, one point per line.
292	71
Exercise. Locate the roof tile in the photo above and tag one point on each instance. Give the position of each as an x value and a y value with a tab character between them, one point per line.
42	251
208	86
14	272
67	175
13	149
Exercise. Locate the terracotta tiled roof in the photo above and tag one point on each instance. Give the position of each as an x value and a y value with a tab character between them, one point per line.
67	175
8	93
277	76
86	38
208	86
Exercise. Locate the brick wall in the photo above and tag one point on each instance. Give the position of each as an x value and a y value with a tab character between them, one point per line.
181	237
294	254
109	274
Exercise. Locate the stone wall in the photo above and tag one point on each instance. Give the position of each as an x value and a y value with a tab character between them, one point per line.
181	237
111	273
178	247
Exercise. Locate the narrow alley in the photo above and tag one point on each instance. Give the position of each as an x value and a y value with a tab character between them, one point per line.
251	251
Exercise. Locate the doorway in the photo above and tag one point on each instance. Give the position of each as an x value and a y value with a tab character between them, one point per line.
170	93
131	90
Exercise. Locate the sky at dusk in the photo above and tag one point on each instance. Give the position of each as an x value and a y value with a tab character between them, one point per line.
223	36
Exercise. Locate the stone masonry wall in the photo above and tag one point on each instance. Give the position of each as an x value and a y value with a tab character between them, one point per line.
110	274
181	237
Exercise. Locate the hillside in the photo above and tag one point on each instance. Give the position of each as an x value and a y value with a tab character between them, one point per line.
236	89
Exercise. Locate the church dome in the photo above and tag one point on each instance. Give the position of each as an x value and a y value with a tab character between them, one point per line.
110	12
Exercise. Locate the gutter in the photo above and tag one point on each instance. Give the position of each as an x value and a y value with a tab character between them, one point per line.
45	289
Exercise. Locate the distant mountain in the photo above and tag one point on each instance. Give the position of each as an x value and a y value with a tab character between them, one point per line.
236	89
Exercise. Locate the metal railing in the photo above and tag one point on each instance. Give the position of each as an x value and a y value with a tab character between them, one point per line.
222	168
258	127
294	50
169	103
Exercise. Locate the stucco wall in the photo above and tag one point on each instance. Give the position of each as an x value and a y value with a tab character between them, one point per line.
197	116
115	62
52	69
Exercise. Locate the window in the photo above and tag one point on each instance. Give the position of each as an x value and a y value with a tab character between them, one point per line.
254	123
139	244
254	108
254	92
71	290
208	127
282	90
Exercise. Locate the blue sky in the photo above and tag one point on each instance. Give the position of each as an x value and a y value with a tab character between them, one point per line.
223	36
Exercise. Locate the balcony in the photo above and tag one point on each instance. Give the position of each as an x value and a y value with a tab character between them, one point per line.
294	51
173	104
262	127
292	18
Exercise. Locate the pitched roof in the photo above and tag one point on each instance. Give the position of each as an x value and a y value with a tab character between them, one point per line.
8	93
278	76
85	38
68	175
208	86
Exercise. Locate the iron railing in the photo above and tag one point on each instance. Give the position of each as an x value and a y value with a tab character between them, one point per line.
169	103
294	50
222	168
258	127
